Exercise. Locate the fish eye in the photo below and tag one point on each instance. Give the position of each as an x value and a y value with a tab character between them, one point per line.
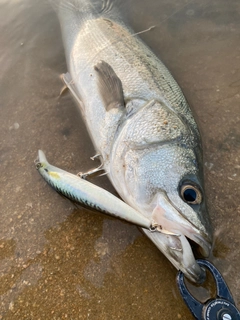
191	194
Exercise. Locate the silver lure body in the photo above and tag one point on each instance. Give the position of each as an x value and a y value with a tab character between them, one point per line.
151	145
88	194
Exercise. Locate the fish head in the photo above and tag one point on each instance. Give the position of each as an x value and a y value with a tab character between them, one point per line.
176	206
163	179
181	219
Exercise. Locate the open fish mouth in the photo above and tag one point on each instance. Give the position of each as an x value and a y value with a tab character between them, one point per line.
178	250
174	236
189	266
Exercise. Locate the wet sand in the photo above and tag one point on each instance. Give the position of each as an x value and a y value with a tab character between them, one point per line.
58	261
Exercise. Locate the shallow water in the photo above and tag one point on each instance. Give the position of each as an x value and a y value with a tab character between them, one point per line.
61	262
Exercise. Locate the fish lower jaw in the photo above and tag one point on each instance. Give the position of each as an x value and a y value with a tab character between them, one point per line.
188	264
178	243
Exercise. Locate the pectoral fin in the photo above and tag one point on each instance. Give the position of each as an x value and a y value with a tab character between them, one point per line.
109	86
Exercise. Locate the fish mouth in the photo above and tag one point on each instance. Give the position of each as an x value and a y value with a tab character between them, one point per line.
176	234
186	258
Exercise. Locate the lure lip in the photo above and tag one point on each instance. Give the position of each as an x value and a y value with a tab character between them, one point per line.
41	158
41	162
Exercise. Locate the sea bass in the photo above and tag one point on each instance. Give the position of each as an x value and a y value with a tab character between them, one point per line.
141	126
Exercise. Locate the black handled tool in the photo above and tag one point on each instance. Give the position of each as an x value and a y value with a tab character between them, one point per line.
220	308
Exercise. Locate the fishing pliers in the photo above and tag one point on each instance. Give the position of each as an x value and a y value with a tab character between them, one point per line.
222	307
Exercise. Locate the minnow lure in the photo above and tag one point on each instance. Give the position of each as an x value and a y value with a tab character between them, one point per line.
88	194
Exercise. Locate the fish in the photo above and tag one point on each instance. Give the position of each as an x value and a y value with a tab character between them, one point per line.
141	126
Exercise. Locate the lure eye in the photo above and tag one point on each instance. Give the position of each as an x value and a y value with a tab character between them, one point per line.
191	194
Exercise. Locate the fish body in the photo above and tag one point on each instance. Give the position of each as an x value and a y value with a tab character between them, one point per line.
141	125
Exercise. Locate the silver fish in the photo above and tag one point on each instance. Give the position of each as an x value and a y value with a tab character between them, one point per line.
140	124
